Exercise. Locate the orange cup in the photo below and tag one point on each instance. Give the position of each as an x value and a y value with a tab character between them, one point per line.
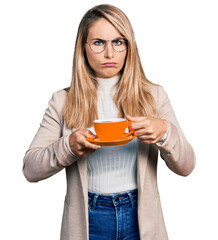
111	129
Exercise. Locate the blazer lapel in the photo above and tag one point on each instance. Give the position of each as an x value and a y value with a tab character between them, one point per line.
143	150
82	166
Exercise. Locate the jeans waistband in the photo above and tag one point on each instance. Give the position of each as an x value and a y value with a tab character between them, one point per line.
113	199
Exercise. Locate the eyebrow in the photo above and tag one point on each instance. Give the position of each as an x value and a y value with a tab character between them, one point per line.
105	39
98	39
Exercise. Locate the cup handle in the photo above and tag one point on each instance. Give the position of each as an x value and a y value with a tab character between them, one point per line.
129	133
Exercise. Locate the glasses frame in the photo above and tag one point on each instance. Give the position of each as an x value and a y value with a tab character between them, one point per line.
89	43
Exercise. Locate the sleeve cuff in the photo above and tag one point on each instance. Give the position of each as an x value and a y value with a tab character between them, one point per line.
67	145
65	158
164	138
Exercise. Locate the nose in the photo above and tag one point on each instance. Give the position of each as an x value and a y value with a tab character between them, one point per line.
109	51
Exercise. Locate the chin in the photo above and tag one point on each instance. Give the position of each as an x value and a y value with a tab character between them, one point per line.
107	75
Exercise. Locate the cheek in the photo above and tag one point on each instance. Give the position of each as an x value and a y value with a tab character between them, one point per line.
92	59
122	58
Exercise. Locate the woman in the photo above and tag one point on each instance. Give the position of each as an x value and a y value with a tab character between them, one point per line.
111	191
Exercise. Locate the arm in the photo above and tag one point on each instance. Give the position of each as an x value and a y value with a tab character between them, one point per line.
47	153
176	151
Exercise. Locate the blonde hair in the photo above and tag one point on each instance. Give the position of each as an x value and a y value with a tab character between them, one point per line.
132	95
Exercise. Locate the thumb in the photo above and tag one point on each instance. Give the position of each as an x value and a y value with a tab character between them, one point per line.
90	134
130	118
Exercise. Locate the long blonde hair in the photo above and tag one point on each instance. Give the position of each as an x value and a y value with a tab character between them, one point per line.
132	90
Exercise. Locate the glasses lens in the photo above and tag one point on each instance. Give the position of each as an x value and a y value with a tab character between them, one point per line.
97	46
119	44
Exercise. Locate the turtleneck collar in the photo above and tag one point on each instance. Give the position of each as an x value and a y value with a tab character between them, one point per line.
107	83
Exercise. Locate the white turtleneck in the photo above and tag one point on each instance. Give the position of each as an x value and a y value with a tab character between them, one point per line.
111	169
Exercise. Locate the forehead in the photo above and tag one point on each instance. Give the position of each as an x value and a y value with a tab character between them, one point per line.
103	29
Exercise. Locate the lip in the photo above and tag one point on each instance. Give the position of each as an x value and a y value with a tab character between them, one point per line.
109	64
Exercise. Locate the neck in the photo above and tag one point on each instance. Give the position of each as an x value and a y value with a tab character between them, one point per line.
106	84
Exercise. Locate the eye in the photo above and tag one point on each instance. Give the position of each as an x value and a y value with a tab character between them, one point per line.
117	42
98	42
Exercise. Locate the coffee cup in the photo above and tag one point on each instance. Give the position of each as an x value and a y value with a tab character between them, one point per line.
111	129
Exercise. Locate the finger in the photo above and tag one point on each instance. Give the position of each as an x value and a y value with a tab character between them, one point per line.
137	122
87	133
143	131
134	119
147	140
90	134
79	144
147	137
141	125
85	149
87	153
89	145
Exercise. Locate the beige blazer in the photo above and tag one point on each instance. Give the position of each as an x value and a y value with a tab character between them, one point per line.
48	155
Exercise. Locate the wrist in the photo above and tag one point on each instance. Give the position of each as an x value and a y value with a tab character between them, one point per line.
67	144
163	139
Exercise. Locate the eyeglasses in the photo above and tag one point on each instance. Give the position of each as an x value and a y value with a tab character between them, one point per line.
98	45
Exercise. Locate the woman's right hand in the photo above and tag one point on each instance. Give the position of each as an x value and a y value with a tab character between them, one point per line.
79	145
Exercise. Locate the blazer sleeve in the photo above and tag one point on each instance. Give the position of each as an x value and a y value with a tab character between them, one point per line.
176	150
47	153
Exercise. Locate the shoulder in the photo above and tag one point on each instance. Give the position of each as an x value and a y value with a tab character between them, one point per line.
59	97
58	100
60	94
160	97
157	91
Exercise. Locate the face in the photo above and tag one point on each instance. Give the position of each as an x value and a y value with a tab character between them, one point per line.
108	63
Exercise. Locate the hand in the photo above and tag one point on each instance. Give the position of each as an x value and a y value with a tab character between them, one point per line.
79	145
149	130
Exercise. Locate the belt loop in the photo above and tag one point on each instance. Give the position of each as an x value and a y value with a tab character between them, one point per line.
94	201
131	199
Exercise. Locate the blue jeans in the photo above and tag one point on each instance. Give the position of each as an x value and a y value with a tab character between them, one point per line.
113	217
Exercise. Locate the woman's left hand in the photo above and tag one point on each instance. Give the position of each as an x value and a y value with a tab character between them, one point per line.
149	130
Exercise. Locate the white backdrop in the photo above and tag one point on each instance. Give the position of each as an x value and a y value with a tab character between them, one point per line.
177	42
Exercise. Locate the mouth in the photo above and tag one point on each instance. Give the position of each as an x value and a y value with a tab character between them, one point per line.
109	64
